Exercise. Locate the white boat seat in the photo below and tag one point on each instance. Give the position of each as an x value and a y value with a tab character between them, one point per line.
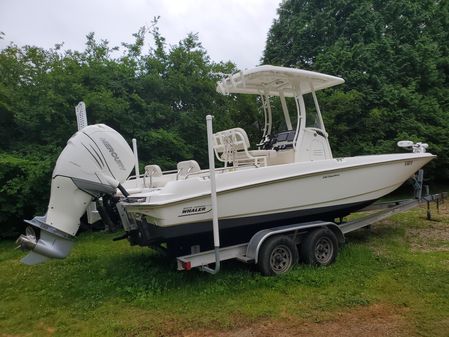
231	146
257	153
151	171
187	167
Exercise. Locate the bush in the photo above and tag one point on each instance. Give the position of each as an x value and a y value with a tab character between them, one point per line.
24	189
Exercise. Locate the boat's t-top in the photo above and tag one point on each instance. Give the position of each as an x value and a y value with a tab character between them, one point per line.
305	141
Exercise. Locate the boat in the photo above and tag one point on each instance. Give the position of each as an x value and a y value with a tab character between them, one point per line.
290	176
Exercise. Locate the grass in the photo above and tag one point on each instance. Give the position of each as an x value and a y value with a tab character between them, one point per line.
108	288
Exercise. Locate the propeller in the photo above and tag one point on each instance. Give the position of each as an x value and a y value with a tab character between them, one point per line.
28	241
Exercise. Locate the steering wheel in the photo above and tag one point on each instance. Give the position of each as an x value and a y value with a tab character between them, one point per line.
266	143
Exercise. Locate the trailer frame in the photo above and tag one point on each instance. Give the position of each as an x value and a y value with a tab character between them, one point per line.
248	252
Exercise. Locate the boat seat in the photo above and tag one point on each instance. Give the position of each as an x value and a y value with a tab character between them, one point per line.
257	153
151	171
232	146
187	167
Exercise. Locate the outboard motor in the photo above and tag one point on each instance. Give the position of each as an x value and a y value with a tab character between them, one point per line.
96	160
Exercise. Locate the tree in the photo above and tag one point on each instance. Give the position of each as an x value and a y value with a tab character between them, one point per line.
394	56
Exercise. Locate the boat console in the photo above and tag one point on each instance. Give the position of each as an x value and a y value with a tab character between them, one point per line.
281	141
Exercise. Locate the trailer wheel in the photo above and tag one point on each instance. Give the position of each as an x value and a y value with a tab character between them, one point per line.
277	255
320	247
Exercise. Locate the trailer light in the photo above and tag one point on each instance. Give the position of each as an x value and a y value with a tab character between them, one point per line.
187	265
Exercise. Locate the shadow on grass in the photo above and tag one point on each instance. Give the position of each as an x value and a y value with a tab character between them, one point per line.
374	232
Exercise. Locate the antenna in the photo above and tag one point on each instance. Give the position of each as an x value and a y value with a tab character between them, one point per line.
81	116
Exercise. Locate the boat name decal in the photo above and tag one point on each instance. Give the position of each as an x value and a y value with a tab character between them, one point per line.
194	210
408	162
113	153
331	175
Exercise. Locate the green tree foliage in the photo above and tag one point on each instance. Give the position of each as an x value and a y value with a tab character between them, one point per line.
394	56
159	96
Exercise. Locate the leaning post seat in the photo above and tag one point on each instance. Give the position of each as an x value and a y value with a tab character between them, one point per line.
232	146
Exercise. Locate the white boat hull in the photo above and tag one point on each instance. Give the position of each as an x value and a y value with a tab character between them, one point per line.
328	189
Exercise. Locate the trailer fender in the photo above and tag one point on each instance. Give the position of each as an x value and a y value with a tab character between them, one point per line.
338	233
252	251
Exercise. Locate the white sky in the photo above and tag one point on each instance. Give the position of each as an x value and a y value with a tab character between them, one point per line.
232	30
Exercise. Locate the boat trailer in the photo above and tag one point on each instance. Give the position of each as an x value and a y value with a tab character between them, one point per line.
321	238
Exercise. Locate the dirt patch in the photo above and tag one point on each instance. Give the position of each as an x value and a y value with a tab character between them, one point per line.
376	320
432	238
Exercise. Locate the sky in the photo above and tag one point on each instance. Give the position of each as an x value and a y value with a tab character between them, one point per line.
230	30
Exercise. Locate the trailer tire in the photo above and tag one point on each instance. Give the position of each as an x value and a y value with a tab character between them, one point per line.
320	247
277	255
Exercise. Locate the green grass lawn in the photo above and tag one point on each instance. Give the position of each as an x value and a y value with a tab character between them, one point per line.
107	288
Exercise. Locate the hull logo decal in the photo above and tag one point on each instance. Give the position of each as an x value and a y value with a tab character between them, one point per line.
195	210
